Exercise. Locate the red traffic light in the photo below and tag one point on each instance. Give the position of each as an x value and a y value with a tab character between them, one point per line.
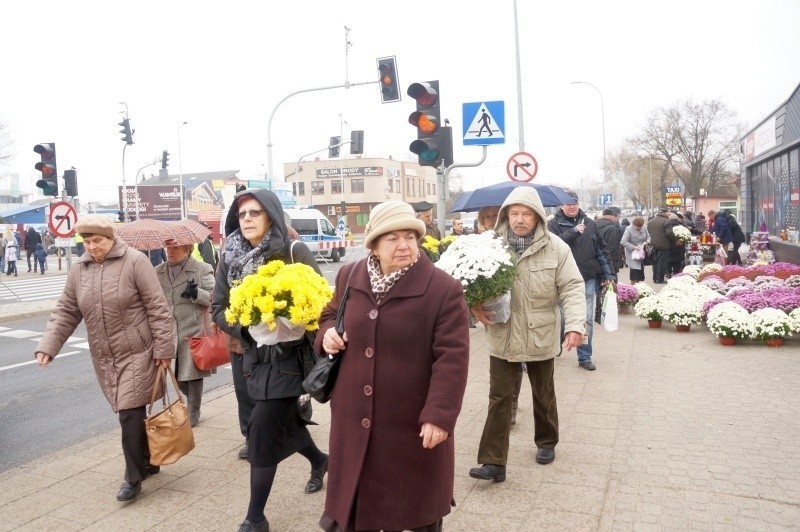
424	93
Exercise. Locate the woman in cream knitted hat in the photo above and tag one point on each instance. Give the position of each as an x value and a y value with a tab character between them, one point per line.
405	349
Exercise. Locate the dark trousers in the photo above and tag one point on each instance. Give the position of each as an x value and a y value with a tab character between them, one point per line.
660	265
134	442
493	448
244	402
29	253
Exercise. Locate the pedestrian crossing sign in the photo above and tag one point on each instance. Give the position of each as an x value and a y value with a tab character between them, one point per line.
484	123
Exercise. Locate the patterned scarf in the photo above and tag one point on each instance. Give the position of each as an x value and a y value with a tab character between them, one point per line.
520	243
382	283
242	258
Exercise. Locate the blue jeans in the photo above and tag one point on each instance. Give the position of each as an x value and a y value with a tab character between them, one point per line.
585	350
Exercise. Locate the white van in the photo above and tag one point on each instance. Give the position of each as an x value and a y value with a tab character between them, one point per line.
316	232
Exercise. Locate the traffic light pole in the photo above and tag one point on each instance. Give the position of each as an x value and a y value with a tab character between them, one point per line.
123	204
444	174
271	175
136	185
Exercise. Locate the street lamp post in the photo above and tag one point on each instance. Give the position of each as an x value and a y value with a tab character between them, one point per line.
603	117
180	173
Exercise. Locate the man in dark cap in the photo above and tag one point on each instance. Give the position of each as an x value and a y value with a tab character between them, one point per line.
591	255
424	212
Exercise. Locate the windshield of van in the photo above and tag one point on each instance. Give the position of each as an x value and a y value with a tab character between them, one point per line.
305	227
327	228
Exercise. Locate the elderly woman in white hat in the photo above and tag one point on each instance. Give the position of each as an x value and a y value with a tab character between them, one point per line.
114	289
405	352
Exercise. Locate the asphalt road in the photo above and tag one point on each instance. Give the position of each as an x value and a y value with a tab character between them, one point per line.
44	409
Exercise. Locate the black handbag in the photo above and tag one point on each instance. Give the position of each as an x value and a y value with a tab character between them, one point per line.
649	254
320	380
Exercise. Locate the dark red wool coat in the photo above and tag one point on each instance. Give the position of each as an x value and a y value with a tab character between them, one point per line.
405	364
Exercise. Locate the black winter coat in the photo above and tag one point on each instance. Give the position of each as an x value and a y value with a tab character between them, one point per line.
588	249
611	232
273	371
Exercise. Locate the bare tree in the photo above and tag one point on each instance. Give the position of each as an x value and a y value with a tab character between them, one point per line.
632	172
699	142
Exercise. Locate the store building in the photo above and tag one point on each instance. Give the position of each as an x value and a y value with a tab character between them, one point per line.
770	176
360	183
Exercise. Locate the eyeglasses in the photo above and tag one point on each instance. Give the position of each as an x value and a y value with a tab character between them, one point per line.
254	213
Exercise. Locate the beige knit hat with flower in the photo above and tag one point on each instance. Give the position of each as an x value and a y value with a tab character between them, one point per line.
391	216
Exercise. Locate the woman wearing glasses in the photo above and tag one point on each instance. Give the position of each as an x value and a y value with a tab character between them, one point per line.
256	234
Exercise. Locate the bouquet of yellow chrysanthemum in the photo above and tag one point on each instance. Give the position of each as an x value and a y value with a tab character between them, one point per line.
279	302
434	248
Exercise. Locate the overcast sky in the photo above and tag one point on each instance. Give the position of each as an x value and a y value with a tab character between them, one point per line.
224	66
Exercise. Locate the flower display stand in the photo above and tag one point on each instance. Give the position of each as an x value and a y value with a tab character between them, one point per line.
683	328
727	340
654	324
774	342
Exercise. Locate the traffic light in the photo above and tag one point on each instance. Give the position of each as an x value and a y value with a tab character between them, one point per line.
71	182
390	83
48	167
164	159
333	147
428	146
127	137
343	208
356	142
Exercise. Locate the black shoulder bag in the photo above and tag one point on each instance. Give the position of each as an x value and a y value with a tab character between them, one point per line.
320	380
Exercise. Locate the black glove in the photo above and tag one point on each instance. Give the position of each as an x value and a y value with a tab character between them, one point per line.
190	292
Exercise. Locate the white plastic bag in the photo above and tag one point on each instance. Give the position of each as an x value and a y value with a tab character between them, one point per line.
500	305
637	254
284	332
609	318
720	257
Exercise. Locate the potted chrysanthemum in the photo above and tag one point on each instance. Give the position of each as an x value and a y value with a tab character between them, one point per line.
279	302
795	317
729	322
682	234
644	290
627	295
771	325
683	312
486	270
649	308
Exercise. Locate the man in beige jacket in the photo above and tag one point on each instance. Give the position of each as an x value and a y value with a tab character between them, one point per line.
547	277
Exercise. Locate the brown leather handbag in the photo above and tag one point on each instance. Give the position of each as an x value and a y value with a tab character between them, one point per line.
169	433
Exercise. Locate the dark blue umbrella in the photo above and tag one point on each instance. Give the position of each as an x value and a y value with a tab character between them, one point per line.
495	195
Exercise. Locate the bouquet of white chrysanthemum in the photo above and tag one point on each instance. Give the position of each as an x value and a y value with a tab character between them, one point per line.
682	234
731	320
482	263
